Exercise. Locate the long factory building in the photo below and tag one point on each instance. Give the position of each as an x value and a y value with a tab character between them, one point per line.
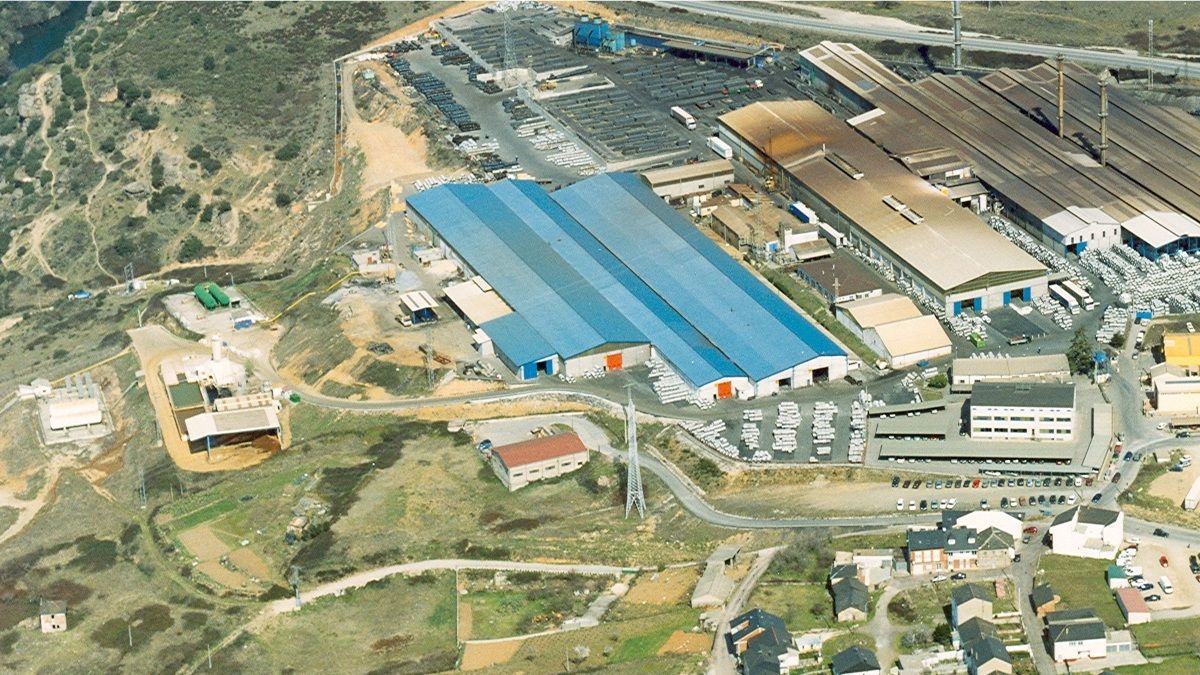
1003	130
603	275
885	210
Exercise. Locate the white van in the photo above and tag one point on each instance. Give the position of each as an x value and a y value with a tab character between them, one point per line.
1166	585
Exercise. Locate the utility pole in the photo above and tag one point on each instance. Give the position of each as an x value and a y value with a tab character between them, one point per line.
956	15
1150	51
294	580
635	496
142	479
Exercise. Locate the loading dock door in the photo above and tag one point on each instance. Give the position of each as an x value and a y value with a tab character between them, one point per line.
978	304
529	371
724	390
614	361
1027	294
957	307
1007	297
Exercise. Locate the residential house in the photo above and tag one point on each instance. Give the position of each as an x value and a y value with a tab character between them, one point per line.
926	550
1087	532
851	600
962	548
970	601
874	566
837	572
995	549
1133	606
53	615
520	464
855	661
973	630
982	520
761	643
1076	634
987	656
1116	577
1044	599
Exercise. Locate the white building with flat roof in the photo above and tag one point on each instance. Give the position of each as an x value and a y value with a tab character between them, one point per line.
1022	411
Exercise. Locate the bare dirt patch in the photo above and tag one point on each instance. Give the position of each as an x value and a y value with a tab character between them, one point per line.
422	25
203	543
685	643
391	155
458	387
1175	485
480	655
249	562
667	587
223	576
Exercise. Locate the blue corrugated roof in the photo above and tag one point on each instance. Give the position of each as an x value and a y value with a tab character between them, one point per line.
724	302
698	361
605	261
564	308
520	342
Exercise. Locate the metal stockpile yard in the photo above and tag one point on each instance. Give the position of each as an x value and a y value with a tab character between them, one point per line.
559	149
527	35
679	82
435	92
1169	284
617	125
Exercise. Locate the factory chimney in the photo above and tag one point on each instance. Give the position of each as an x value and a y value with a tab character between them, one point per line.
1061	95
956	10
1104	117
217	353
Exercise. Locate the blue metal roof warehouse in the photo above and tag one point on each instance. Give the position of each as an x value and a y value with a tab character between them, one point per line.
605	263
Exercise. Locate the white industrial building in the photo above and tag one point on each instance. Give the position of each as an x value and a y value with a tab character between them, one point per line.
893	326
1088	532
1042	367
677	182
215	369
73	412
1022	411
1175	392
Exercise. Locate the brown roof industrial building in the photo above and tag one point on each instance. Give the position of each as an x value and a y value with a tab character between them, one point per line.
1068	191
895	328
520	464
917	233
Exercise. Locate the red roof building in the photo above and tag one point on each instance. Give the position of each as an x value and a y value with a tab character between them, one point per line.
522	463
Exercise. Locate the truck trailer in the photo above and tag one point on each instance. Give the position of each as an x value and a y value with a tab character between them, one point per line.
723	149
684	117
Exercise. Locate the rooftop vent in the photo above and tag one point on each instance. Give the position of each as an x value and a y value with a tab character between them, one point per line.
912	216
896	204
845	167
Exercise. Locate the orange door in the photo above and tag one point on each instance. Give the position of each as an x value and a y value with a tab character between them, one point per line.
724	390
614	361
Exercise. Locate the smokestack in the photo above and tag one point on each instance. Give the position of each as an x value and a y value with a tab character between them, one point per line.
216	347
1104	117
1061	95
956	10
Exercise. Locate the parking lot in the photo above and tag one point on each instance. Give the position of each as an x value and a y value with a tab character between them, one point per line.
1150	553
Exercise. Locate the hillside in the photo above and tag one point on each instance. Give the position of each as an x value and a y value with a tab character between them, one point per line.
169	136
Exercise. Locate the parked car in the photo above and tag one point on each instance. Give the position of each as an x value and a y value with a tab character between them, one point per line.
1128	456
1145	586
1194	565
912	505
1020	482
1163	562
975	483
895	481
983	504
900	504
1017	558
1153	598
906	484
1058	482
939	578
958	575
1030	530
924	505
1071	498
1004	502
1116	477
1096	498
1025	539
1159	532
485	444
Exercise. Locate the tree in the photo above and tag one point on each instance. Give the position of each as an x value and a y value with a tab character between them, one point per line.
289	151
192	249
938	381
283	199
209	62
157	172
1117	341
145	118
942	634
1079	354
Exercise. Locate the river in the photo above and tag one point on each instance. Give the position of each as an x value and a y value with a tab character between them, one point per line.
41	39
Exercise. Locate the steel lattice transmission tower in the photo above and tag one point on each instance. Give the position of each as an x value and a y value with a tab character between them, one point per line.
635	496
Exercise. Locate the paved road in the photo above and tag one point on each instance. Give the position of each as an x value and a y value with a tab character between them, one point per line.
928	36
595	437
722	662
365	577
